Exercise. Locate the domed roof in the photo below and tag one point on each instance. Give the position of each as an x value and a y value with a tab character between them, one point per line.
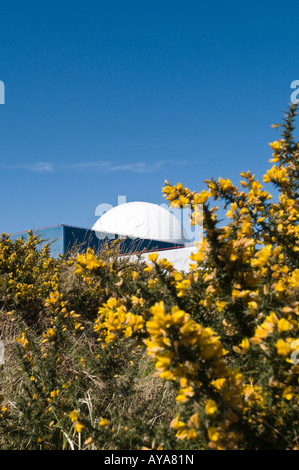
142	220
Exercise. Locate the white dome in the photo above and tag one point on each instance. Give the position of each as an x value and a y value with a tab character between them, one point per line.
142	220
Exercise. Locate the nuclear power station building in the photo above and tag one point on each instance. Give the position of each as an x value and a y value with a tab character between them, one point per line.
142	228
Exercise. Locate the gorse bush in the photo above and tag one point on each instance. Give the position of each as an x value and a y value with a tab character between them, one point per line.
103	352
27	275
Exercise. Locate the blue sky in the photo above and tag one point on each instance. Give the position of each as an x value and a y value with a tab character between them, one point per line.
108	98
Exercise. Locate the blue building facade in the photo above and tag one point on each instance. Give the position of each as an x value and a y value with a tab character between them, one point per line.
64	238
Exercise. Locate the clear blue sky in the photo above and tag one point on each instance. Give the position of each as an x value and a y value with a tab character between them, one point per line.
108	98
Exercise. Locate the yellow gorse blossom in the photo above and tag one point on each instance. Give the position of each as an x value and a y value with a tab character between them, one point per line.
88	261
190	334
283	348
103	422
74	415
210	407
213	434
79	427
114	319
153	257
51	332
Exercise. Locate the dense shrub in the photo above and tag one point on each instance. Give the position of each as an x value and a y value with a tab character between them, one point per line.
103	352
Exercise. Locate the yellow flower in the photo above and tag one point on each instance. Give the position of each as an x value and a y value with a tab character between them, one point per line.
164	361
182	434
219	383
165	264
245	345
177	276
280	286
79	426
51	332
182	287
282	347
210	407
192	434
184	394
288	393
167	375
74	415
128	332
136	300
176	424
103	422
213	434
284	325
262	257
149	268
231	212
153	257
275	173
152	283
202	197
189	326
194	421
112	302
183	200
275	145
178	315
220	305
224	184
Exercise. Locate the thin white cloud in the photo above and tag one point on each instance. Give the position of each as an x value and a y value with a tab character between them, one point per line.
101	166
40	167
137	167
